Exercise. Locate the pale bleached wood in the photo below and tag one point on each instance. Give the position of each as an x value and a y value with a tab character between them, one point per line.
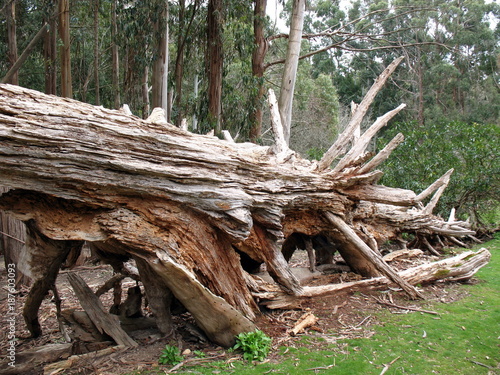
443	180
78	360
371	256
305	321
383	154
276	124
290	67
358	116
363	142
227	136
402	254
95	310
459	268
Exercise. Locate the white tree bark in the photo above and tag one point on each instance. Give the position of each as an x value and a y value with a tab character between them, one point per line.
291	64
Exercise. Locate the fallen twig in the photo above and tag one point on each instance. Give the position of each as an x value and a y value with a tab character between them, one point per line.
382	302
191	360
321	368
482	364
386	367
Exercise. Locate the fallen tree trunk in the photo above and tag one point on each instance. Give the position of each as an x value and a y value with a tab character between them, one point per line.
190	208
459	268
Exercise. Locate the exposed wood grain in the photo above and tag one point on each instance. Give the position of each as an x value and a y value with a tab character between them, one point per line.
95	310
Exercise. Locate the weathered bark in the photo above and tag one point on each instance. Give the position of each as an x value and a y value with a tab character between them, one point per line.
50	52
95	310
160	66
65	49
96	52
185	206
47	256
115	57
12	241
159	297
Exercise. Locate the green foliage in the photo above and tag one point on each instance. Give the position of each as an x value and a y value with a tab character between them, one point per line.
199	354
170	356
254	345
473	150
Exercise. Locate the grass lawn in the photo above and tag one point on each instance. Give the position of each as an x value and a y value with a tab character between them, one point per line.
463	339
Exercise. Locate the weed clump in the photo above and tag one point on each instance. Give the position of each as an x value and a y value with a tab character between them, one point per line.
254	345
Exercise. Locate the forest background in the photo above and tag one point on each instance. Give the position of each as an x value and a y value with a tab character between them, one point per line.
211	63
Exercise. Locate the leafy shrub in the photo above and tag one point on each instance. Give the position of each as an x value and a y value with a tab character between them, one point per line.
473	150
254	345
170	356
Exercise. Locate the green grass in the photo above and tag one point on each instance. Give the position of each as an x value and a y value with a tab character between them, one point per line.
463	339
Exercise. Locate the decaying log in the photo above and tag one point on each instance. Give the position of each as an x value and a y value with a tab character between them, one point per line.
79	360
402	254
305	321
459	268
192	209
362	250
100	318
46	257
28	360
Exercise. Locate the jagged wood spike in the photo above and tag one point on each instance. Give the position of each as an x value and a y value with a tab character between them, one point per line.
383	154
358	116
443	180
360	146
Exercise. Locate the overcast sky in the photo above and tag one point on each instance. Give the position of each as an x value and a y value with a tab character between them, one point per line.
273	10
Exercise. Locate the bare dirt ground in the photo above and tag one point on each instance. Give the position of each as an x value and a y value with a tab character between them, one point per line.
346	315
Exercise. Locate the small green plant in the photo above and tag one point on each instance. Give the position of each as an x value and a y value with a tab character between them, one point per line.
199	354
254	345
170	356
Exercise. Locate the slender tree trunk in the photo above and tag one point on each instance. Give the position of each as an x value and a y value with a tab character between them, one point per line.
179	63
196	85
27	51
291	63
50	53
115	57
160	66
10	15
258	55
145	93
215	63
65	50
420	78
96	52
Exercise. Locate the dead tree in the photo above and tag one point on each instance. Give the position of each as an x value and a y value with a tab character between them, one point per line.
187	207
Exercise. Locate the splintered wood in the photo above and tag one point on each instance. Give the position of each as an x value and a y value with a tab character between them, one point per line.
305	321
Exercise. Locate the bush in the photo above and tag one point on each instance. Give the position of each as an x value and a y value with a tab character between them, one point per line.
473	150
